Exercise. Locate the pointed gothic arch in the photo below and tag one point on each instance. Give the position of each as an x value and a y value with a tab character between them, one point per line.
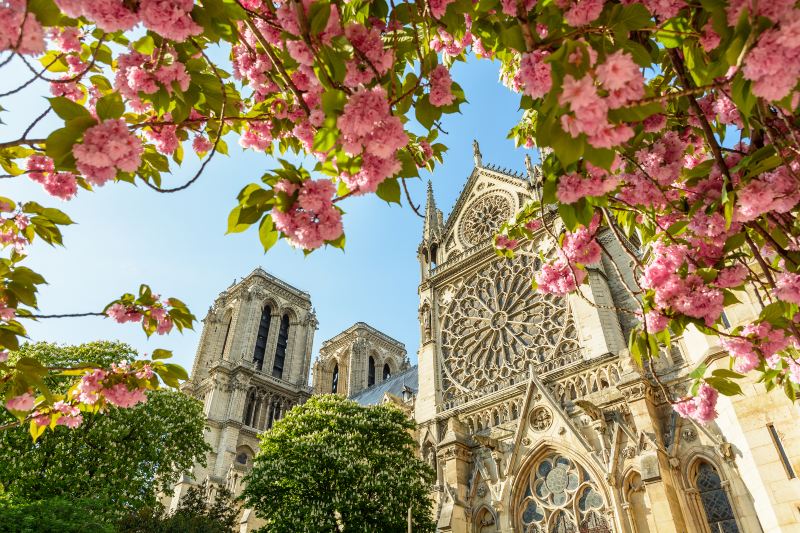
335	379
710	497
262	336
387	371
371	371
558	490
250	408
280	349
636	502
485	520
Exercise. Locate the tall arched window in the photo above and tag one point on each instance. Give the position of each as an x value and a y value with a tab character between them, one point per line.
387	372
227	332
370	372
261	339
280	351
249	408
335	381
717	506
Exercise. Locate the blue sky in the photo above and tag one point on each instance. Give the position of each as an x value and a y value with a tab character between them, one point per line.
176	243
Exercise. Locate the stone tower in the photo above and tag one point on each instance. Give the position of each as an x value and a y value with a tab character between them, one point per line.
251	367
356	359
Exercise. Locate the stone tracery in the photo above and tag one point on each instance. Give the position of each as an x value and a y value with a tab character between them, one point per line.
496	326
483	217
561	497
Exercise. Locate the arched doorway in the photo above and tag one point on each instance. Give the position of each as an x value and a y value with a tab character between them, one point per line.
558	495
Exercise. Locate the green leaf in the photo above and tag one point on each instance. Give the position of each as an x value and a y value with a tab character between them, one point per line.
110	106
725	386
726	373
698	372
267	233
145	45
389	190
319	14
159	353
177	371
67	109
234	226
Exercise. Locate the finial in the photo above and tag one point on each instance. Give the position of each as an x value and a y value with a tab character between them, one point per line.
530	170
476	152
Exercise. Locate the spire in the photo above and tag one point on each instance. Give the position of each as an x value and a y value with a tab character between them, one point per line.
432	216
534	176
530	170
476	153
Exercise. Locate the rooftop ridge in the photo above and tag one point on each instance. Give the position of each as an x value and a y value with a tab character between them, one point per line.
372	329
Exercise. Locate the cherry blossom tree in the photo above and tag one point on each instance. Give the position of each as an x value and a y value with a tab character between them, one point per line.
671	124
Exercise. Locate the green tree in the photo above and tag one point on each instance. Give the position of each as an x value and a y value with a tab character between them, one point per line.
123	455
55	515
333	465
195	514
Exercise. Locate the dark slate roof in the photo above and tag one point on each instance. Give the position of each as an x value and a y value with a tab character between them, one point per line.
394	385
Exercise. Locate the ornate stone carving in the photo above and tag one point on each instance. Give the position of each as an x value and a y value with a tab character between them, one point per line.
689	434
541	418
483	217
628	452
495	327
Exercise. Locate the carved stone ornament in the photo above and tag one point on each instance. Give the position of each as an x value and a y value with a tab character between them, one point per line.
628	452
496	327
483	217
482	490
541	418
689	434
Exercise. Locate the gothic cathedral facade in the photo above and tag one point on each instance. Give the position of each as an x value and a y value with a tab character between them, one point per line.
528	406
534	418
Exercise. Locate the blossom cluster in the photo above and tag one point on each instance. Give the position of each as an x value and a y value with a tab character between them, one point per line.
156	313
169	18
368	128
138	73
702	407
312	219
59	184
19	29
621	81
107	148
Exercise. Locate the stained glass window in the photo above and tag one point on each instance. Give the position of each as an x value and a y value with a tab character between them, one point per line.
561	497
719	513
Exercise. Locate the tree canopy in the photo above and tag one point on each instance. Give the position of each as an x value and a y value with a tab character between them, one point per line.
673	124
123	457
333	465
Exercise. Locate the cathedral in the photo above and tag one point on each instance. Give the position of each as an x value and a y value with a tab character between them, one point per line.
528	406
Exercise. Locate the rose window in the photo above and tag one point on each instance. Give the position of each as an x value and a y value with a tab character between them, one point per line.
483	217
561	497
496	326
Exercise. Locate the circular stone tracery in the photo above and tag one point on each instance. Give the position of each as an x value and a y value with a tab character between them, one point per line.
483	217
496	325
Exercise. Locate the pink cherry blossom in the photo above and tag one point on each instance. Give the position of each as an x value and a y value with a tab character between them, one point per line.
559	278
22	402
583	12
710	39
19	29
123	314
121	395
438	7
107	148
312	219
88	389
201	144
772	64
534	76
787	287
504	243
441	87
702	407
581	247
655	321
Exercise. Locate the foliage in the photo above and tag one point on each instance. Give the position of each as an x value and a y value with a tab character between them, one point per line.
123	455
193	515
669	123
55	515
331	464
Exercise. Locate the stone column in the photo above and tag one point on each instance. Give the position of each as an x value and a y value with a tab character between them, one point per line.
659	478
